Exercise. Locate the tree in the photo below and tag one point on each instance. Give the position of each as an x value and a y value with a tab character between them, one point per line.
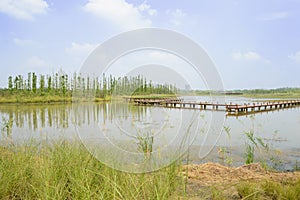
16	83
49	83
29	81
62	84
104	86
34	81
42	83
10	83
20	82
56	82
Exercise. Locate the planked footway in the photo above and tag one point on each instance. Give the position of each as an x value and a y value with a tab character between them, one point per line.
231	109
262	106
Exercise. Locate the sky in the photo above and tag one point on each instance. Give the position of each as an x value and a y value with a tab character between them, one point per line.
254	44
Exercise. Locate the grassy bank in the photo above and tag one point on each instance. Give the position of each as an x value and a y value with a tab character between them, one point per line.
272	96
68	171
34	99
51	98
21	97
151	96
279	93
269	190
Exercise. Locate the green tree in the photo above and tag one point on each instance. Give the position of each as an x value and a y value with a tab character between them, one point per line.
49	83
34	82
42	83
29	81
10	83
16	80
62	84
104	86
20	82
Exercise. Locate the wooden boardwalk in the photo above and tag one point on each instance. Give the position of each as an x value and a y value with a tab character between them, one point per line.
263	106
231	109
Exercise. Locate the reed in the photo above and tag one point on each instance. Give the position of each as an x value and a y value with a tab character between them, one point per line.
66	170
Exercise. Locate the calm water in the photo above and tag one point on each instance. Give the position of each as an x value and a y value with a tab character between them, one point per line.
121	125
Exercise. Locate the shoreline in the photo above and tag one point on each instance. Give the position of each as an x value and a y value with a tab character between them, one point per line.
64	100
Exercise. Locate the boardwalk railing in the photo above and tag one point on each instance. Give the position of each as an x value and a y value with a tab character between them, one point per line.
263	106
231	109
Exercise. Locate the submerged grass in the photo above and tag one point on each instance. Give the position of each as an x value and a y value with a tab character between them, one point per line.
67	171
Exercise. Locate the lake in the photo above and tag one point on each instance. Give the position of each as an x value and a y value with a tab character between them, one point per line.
125	128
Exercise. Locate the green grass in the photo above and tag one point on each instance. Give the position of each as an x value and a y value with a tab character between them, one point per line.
269	190
273	96
53	98
266	94
152	96
67	171
32	99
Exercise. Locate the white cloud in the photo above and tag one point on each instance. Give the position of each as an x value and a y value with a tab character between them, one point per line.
83	49
22	42
295	57
36	61
144	7
248	56
275	16
121	14
23	9
177	16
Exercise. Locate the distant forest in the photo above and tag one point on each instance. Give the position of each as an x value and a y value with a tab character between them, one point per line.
268	91
64	85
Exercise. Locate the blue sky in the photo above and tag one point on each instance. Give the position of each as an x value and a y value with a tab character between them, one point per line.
254	44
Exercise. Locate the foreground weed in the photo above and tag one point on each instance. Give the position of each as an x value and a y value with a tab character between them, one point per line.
67	171
225	152
145	143
253	143
6	127
269	190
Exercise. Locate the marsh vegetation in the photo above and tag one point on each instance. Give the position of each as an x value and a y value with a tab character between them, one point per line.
40	159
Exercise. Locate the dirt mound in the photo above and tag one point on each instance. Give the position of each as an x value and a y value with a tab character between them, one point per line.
215	174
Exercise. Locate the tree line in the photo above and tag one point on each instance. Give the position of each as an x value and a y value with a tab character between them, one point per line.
64	85
269	91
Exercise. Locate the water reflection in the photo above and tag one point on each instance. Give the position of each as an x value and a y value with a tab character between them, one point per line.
122	123
63	116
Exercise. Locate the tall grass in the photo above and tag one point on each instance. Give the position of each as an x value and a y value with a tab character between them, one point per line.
67	171
145	142
253	142
269	190
6	127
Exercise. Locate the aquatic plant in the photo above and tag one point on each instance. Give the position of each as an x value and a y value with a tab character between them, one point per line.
226	152
252	143
6	127
145	142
